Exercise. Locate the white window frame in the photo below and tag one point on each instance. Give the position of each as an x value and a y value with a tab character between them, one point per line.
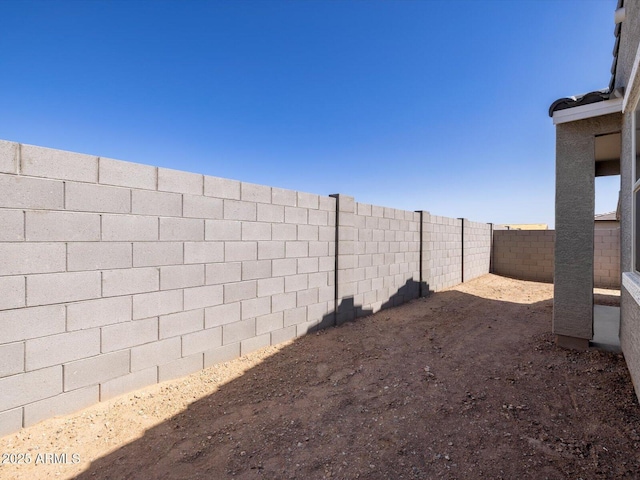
631	280
634	191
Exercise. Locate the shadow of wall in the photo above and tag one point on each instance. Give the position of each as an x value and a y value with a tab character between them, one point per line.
348	310
299	398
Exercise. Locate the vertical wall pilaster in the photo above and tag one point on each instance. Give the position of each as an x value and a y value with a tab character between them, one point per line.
422	289
345	285
426	246
575	199
463	221
491	248
574	246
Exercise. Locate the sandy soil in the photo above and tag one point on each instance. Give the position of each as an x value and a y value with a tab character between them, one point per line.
464	384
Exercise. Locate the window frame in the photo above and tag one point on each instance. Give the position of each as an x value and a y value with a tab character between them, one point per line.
635	189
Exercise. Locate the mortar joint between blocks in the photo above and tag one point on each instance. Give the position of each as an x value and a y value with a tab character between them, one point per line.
24	353
18	161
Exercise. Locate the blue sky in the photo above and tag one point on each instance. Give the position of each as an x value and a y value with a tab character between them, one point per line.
422	105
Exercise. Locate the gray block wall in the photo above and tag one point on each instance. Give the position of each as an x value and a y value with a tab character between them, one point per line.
529	255
477	249
442	251
524	254
387	251
116	275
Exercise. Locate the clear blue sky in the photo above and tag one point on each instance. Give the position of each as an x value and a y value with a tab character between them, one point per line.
433	105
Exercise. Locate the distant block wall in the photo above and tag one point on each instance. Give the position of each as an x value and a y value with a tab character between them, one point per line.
116	275
529	255
524	254
606	265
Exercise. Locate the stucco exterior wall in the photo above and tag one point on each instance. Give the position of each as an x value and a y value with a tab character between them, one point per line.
630	293
606	224
575	198
630	327
629	307
629	41
573	303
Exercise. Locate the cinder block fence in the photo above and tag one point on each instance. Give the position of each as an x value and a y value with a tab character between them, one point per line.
529	255
524	254
116	275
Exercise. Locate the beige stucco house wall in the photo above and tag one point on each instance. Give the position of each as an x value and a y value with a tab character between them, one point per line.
596	135
606	221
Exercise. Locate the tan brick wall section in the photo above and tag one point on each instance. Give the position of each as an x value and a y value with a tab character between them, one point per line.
606	265
529	254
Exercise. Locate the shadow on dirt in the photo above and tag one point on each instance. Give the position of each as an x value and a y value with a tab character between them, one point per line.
452	385
609	299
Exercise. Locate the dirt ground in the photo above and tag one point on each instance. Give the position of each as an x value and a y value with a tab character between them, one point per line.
464	384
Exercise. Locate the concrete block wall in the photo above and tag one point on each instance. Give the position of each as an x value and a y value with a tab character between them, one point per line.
606	265
387	257
529	255
477	239
442	251
116	275
524	254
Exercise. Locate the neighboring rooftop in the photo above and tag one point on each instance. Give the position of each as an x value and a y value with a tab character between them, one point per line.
606	217
522	226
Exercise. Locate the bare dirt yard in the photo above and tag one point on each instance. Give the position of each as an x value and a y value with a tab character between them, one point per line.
464	384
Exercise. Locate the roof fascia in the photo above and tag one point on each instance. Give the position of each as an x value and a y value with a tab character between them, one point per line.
588	111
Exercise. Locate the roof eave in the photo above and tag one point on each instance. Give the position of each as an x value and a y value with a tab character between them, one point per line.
596	109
